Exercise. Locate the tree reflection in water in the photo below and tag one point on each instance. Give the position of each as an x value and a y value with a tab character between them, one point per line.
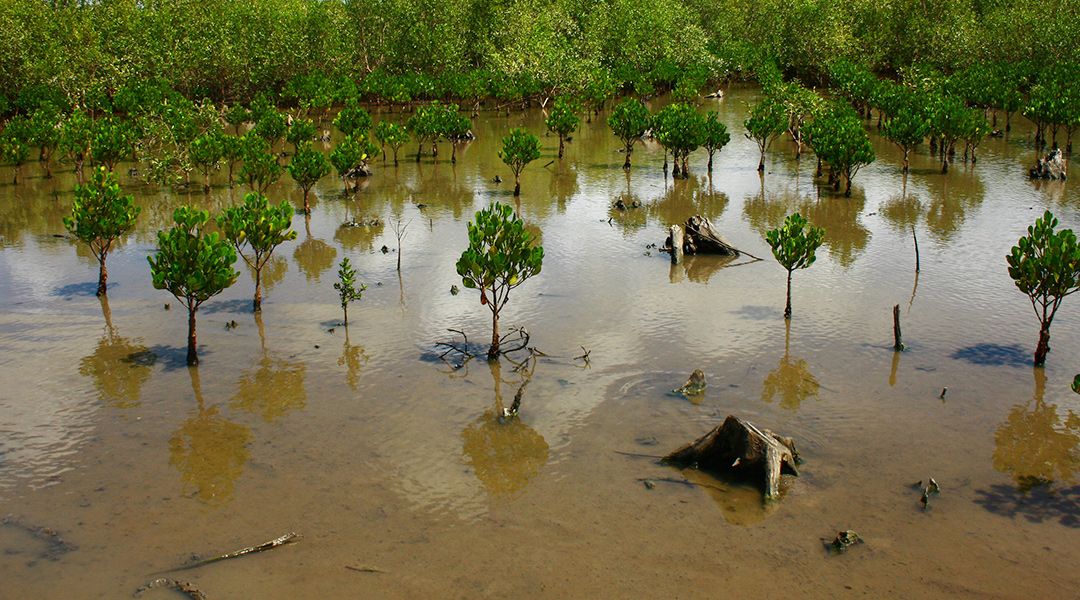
352	358
791	379
1035	445
274	387
504	452
118	366
313	256
209	451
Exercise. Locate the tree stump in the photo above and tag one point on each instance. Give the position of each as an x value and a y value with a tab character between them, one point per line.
697	237
739	448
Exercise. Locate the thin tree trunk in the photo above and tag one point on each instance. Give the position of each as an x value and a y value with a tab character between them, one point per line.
710	162
626	162
257	303
1044	345
561	145
493	352
787	309
307	208
517	186
103	275
898	343
907	164
192	356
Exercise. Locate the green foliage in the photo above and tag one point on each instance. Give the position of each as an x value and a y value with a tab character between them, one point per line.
425	125
353	120
948	122
206	153
456	128
768	119
261	168
347	156
236	115
629	120
501	256
14	146
715	135
301	132
393	135
113	141
271	126
1076	384
346	286
563	120
838	138
307	167
76	137
907	129
519	148
680	129
256	228
794	245
1045	265
100	216
193	265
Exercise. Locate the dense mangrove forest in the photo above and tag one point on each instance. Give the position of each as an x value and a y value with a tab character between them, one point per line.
539	298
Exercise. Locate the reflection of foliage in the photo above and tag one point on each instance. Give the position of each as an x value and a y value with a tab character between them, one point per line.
273	272
313	257
792	380
361	237
903	212
949	205
504	455
210	453
840	217
1034	446
352	358
273	389
118	380
685	199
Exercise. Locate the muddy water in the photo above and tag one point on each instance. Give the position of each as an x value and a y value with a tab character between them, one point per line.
383	457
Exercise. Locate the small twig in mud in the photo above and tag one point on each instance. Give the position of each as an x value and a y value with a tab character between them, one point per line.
364	569
274	543
944	391
181	586
585	356
638	455
523	337
463	350
685	482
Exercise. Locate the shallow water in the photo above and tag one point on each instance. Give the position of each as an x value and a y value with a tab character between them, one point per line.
382	456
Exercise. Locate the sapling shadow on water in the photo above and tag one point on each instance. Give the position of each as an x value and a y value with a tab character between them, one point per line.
193	265
501	256
1045	265
347	286
794	245
100	216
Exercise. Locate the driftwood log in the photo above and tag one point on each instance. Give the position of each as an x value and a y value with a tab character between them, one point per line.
697	237
739	448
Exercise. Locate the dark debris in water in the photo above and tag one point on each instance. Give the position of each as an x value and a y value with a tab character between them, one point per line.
994	355
143	358
843	541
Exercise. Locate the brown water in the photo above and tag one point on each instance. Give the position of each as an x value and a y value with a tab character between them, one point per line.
382	456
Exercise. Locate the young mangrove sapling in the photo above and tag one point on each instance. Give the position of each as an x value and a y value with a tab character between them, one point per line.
100	216
257	227
1045	265
193	265
794	245
501	255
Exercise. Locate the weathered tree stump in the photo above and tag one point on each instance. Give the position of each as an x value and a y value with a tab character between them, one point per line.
698	237
739	448
675	242
1051	167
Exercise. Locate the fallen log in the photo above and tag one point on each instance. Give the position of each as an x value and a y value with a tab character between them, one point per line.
270	545
740	448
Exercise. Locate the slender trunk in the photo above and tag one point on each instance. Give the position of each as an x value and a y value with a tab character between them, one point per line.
1044	345
307	208
395	157
761	161
847	189
257	303
818	167
944	162
898	343
453	154
787	309
206	181
517	186
916	248
561	141
493	352
710	162
345	309
907	164
192	356
103	275
626	162
419	149
1008	121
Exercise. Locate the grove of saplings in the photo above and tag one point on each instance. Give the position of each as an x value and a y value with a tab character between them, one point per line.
198	86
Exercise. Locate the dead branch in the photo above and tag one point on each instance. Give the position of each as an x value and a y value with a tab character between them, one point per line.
270	545
523	338
183	587
364	569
